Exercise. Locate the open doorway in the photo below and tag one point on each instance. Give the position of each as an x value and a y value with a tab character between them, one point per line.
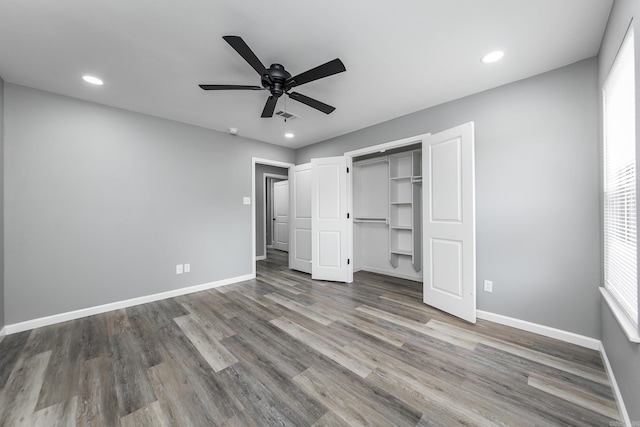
265	173
275	215
437	236
440	236
386	201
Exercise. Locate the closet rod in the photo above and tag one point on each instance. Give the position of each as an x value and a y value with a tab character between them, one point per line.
371	220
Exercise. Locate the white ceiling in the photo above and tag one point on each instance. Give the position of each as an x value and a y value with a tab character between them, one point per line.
401	56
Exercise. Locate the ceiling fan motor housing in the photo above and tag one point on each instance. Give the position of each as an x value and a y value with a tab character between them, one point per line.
275	79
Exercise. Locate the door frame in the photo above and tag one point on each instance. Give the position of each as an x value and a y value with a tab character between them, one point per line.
265	177
268	162
379	148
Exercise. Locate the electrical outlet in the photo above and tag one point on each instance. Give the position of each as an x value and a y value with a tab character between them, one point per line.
488	286
179	269
187	268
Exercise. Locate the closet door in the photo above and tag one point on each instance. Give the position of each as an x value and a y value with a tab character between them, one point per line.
300	218
329	223
449	222
281	215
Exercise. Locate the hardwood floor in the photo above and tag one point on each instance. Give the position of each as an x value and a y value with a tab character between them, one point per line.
285	350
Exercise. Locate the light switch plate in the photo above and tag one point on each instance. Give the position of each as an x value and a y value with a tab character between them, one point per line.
187	268
246	200
179	269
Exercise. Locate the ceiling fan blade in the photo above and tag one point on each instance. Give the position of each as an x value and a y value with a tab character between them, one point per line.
241	47
230	87
269	107
327	109
325	70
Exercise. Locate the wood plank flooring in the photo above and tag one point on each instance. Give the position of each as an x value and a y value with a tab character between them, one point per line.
288	351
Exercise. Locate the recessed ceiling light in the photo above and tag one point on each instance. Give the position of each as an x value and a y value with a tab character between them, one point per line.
93	80
492	57
289	135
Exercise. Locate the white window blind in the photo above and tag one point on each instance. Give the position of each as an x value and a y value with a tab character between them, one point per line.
620	233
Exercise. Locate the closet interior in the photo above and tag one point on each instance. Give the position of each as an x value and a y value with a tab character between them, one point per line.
387	212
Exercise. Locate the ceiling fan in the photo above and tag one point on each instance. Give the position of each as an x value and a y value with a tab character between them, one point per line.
278	81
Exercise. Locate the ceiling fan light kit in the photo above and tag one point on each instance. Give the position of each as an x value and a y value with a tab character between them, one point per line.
278	81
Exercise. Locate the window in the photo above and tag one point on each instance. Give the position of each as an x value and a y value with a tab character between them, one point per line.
620	233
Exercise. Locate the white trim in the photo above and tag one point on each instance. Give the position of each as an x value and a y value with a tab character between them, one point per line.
350	244
387	145
565	336
90	311
546	331
269	162
265	177
626	324
614	385
261	257
372	161
3	333
390	273
254	161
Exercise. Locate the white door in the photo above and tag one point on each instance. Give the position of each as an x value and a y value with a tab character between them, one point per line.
300	208
329	223
449	246
281	215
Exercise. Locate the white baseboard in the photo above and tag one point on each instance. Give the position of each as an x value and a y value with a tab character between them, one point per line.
90	311
261	257
546	331
614	384
566	336
389	273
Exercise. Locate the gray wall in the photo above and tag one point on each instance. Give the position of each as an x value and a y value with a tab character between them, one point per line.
2	322
623	355
537	191
260	201
102	203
